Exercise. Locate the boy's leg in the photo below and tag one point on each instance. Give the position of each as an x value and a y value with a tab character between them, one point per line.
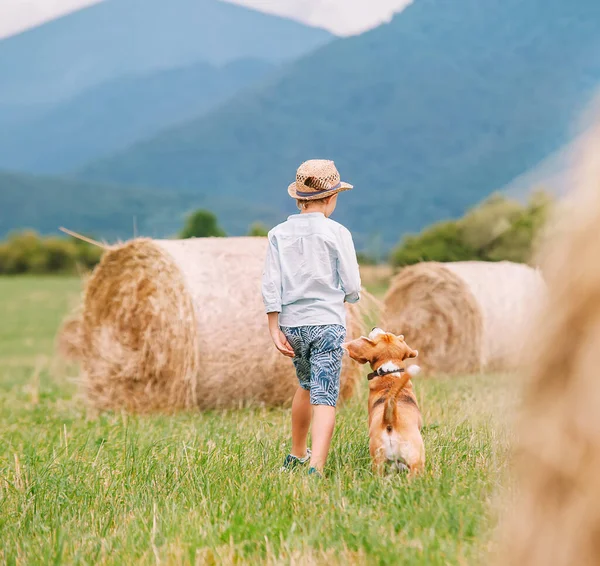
326	367
301	409
323	424
301	414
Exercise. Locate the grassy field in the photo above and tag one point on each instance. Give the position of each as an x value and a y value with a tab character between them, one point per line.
205	488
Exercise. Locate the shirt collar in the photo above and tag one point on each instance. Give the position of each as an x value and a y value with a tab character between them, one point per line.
306	215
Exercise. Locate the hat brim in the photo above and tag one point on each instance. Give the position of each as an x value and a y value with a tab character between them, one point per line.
293	192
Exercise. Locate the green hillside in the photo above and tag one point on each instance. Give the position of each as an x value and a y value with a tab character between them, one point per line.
426	115
116	114
45	203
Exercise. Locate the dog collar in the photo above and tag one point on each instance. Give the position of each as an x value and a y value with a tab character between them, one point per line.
380	373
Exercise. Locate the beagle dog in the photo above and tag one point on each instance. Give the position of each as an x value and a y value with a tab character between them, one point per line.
394	417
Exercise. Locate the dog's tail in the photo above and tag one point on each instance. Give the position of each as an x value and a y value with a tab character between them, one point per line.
391	402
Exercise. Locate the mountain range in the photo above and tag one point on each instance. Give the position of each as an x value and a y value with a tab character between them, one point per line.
118	113
116	38
425	116
111	212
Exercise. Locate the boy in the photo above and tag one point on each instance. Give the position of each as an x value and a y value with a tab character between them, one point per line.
310	271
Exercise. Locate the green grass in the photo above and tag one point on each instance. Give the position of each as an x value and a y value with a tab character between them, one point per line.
205	488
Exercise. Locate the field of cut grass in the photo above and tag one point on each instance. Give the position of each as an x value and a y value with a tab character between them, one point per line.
205	488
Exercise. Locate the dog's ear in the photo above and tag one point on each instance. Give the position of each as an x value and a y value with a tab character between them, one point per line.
360	349
400	337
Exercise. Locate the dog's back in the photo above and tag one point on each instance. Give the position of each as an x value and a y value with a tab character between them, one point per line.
394	426
394	416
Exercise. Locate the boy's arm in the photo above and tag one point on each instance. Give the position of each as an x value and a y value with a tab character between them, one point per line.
271	279
271	292
278	337
348	268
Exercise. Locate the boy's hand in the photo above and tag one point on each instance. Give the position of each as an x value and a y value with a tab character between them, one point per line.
278	337
282	344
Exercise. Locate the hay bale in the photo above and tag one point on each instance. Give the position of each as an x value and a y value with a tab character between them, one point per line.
555	517
179	324
69	337
464	316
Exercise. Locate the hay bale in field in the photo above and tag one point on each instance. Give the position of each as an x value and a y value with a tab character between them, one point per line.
555	517
69	337
178	324
464	316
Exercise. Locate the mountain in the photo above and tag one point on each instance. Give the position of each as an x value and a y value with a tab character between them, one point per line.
60	59
114	115
45	203
426	115
554	174
12	114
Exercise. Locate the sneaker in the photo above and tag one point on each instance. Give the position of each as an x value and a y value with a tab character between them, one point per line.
315	472
291	462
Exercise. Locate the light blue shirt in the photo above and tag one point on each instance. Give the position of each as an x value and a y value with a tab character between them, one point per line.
310	271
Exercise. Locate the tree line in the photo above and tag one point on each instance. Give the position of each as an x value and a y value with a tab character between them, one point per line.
497	229
30	252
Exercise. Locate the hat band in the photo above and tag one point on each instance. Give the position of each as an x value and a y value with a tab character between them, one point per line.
312	194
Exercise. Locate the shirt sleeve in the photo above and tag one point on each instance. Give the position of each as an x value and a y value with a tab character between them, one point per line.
271	278
348	268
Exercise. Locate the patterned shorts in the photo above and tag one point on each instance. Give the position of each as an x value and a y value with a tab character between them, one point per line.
318	360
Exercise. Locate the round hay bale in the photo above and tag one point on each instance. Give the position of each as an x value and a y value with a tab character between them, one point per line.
554	519
179	324
69	338
466	316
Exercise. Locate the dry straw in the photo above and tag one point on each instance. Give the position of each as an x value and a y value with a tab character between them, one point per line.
179	324
555	518
69	338
465	316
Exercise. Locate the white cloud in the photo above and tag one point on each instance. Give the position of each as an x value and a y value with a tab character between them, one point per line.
342	17
19	15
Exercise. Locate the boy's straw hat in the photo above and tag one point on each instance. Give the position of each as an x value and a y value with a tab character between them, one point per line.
317	179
